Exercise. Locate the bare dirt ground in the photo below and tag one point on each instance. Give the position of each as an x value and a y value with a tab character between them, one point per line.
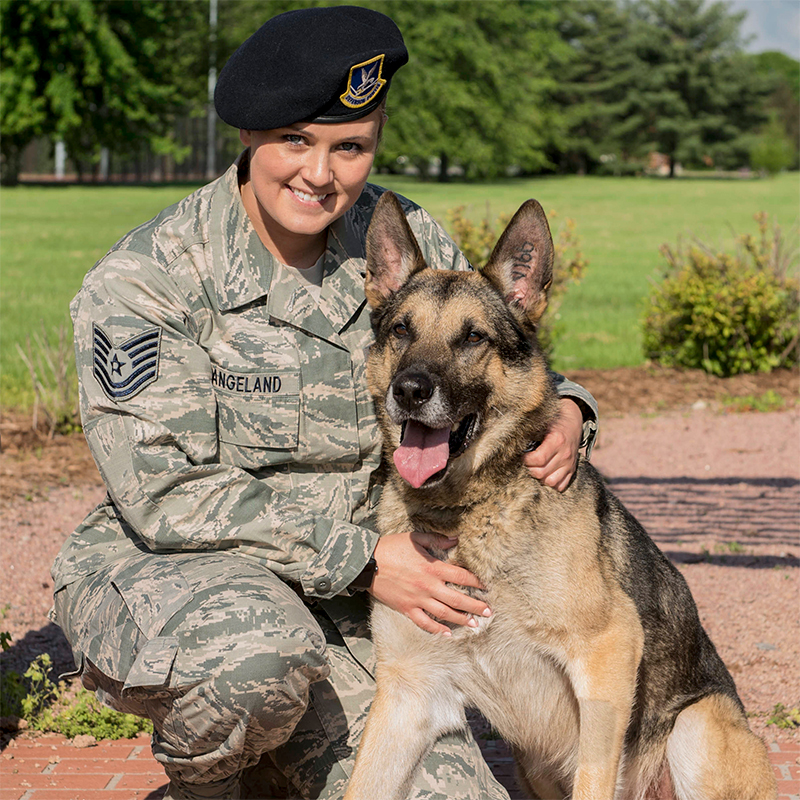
719	493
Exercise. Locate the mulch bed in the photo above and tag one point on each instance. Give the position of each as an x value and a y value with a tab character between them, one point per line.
32	462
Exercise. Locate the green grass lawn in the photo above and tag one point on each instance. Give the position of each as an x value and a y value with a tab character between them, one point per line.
52	236
621	223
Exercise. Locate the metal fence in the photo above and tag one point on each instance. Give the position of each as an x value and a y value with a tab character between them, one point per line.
47	161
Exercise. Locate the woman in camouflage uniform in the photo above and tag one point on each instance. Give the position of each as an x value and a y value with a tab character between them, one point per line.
218	589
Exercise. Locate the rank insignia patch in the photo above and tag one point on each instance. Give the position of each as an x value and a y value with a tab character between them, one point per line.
364	83
125	370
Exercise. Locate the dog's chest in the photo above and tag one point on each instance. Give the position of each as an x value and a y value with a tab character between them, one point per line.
530	573
521	545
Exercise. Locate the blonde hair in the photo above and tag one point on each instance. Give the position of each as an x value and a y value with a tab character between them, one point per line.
384	118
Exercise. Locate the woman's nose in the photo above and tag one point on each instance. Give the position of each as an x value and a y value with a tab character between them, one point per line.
317	168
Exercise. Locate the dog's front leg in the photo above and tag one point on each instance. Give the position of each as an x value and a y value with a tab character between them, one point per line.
405	720
604	678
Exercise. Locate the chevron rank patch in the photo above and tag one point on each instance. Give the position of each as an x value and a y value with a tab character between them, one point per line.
123	371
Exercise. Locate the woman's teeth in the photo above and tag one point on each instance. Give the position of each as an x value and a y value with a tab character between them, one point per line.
309	198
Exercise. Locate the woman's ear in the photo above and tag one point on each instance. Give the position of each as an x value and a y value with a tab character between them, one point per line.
244	137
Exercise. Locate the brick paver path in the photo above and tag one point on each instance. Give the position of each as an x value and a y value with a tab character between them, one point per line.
50	768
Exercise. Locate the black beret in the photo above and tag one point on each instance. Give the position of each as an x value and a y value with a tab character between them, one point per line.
314	64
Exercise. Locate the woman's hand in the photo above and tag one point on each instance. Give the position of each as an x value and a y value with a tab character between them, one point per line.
410	580
554	460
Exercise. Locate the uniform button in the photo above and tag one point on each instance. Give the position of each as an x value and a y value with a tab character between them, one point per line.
322	585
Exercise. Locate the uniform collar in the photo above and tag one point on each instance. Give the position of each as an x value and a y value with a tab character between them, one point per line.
341	295
245	271
242	267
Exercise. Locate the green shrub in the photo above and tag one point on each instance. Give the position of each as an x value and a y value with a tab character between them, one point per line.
768	401
727	313
85	714
476	241
54	378
12	693
47	706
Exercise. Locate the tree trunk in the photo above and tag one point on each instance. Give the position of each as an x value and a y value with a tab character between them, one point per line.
422	167
10	164
444	164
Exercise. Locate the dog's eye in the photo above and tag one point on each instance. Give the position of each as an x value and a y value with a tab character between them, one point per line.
400	330
474	337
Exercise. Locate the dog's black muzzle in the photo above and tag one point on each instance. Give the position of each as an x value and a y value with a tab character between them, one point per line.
411	390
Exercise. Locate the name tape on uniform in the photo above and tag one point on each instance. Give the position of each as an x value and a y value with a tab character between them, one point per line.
249	383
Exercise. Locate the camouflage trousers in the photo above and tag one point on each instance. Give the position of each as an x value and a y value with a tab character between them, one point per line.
245	682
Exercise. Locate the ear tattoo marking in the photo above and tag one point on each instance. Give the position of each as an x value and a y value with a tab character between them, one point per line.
522	261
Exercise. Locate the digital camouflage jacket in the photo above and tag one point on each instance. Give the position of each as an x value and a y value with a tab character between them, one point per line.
226	408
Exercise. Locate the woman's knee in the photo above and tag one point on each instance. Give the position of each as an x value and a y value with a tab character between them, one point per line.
269	671
254	693
253	645
242	650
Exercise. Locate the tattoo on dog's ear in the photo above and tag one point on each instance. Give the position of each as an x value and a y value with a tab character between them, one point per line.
393	254
521	264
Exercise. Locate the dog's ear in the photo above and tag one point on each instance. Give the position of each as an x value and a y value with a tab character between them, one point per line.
393	254
521	264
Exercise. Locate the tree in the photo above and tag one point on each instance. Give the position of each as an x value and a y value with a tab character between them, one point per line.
771	151
95	73
594	84
695	96
476	90
783	102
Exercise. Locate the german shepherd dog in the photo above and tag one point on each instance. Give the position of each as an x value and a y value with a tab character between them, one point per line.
594	665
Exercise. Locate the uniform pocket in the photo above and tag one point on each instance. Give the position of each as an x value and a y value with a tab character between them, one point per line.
153	664
258	417
154	590
274	424
114	618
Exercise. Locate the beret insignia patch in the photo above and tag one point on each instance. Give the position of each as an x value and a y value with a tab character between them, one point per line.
124	371
364	83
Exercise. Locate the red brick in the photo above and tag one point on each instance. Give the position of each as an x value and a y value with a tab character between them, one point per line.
133	765
16	782
149	782
785	747
102	750
788	787
86	780
11	794
141	751
29	766
108	794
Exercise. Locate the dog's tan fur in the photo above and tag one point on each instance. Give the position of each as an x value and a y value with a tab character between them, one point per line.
564	669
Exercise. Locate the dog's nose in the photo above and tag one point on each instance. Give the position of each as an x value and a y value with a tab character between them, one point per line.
411	390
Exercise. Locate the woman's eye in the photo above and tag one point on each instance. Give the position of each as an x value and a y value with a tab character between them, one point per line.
350	147
400	330
474	337
293	138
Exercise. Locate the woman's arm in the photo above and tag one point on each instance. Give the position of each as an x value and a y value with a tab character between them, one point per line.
150	418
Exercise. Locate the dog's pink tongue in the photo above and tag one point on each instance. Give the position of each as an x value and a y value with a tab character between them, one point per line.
422	453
